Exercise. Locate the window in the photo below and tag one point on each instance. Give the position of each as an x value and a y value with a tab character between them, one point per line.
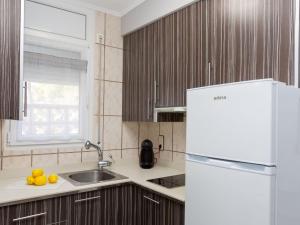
54	97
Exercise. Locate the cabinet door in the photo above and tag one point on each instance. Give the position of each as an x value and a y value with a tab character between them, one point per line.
109	206
58	210
253	40
139	75
87	208
24	214
10	31
184	53
150	208
118	205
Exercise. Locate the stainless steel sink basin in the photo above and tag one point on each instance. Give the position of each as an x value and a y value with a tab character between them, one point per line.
91	177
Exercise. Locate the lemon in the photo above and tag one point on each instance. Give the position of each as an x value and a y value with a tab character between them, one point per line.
37	173
53	178
30	180
40	180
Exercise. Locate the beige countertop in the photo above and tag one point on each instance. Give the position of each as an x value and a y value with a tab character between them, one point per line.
9	194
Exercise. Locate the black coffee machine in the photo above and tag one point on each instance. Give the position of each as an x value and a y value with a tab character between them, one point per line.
147	155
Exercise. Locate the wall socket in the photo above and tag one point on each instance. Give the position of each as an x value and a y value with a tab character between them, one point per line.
99	38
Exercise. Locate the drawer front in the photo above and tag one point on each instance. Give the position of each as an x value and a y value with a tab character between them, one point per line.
24	214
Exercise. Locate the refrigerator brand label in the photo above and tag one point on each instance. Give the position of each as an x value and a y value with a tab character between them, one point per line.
219	98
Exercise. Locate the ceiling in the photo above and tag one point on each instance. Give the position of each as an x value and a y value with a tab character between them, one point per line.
119	7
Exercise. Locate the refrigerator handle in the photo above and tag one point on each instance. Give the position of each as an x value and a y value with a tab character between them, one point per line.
241	166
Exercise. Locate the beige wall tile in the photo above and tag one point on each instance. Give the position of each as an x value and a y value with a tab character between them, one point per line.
113	31
131	154
97	122
130	135
69	158
178	157
165	156
48	150
143	132
44	160
153	134
166	131
15	151
67	149
97	102
99	57
99	23
179	137
113	64
113	98
112	132
90	156
116	155
16	162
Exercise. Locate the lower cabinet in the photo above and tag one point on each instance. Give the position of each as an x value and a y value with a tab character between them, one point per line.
150	208
126	204
109	206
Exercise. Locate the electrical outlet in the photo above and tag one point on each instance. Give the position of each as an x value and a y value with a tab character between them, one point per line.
99	38
161	142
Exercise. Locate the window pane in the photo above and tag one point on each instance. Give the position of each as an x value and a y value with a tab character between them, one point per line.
53	112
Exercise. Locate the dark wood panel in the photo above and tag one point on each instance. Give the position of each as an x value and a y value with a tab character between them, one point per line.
25	214
252	40
124	204
10	17
209	42
109	206
150	208
138	85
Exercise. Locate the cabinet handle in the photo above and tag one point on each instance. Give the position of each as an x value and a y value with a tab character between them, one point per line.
29	217
87	199
25	99
152	200
155	92
209	72
148	108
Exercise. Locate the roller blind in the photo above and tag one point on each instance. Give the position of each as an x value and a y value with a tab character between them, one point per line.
43	64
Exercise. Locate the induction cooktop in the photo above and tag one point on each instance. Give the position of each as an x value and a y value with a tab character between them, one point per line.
170	182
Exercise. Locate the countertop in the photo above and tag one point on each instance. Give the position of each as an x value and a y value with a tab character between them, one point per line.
134	173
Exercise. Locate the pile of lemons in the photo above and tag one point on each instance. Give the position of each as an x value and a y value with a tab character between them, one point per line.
38	178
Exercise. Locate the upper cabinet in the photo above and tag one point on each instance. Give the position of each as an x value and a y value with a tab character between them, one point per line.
209	42
139	60
10	35
252	39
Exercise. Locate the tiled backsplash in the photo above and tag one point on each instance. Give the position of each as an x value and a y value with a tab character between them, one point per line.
120	139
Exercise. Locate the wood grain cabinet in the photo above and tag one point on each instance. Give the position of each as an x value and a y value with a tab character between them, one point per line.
24	214
125	204
108	206
150	208
208	42
138	79
10	34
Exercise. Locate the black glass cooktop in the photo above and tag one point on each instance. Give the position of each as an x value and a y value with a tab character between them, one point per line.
170	182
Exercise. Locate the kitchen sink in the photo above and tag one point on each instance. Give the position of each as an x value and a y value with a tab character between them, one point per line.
91	177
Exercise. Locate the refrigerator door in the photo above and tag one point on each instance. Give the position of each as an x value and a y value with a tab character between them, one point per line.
217	195
234	122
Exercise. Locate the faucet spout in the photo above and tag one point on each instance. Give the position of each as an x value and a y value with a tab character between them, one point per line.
102	163
89	144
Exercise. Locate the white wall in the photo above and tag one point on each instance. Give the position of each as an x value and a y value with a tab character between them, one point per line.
149	11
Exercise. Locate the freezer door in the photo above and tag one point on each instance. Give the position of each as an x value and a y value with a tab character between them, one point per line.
235	122
221	196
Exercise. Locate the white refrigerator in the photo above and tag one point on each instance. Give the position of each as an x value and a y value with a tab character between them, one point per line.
243	154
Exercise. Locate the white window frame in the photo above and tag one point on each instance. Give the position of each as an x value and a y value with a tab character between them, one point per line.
63	43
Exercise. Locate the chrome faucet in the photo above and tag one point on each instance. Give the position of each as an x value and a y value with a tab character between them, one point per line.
101	163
